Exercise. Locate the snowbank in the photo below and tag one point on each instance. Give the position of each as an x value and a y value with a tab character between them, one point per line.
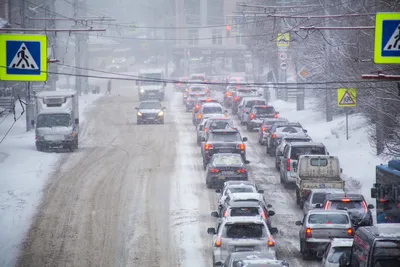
23	174
357	157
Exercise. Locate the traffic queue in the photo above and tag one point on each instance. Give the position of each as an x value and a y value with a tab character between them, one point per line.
244	232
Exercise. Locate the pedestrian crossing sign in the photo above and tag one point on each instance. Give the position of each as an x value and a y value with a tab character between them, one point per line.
346	97
23	57
387	38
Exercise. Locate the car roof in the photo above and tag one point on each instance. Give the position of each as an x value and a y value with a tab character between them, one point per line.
275	119
351	196
319	211
297	136
265	262
150	101
244	219
342	242
384	230
251	255
288	124
198	85
298	144
254	98
228	183
244	204
244	196
262	106
215	116
211	104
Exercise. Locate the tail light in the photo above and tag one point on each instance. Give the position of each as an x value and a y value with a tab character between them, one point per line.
179	84
218	242
184	95
197	94
236	98
208	146
237	86
288	165
36	137
214	170
228	93
350	232
263	215
241	170
205	130
365	206
199	116
327	205
276	116
226	213
271	242
251	116
308	232
307	192
197	106
263	129
273	136
206	90
240	146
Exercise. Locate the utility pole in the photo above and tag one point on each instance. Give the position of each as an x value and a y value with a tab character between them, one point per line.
327	50
78	73
84	55
282	75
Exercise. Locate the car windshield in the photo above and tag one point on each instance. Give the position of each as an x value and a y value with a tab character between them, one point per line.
347	205
336	253
328	219
244	230
251	103
243	211
264	111
150	105
212	110
53	120
289	129
307	150
225	137
318	198
228	160
150	77
220	124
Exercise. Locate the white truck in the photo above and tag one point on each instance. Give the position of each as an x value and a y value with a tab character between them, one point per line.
317	171
57	120
151	84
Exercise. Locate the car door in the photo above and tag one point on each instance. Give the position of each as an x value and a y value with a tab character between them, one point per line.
284	160
307	203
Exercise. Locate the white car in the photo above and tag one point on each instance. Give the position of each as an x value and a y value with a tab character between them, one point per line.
237	187
335	250
246	105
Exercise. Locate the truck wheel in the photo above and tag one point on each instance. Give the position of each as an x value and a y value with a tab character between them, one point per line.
162	121
72	147
39	148
297	197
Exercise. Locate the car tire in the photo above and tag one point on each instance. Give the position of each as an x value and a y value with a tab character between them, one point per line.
297	197
277	167
204	165
267	149
39	148
208	184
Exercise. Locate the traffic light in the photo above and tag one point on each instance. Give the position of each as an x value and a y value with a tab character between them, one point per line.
228	30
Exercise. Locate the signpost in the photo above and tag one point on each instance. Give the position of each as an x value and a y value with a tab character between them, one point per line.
387	38
347	98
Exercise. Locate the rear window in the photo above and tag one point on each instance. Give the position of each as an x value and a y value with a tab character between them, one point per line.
251	103
244	230
347	205
228	160
318	198
212	110
307	150
220	124
289	129
266	110
197	89
336	253
225	137
244	211
270	123
328	219
387	253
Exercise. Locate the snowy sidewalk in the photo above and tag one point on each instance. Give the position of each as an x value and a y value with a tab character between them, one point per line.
23	175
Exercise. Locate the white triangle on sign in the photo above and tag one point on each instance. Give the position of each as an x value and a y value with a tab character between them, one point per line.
23	60
347	99
394	42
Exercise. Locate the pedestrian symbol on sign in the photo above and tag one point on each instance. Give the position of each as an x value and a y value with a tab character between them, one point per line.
23	60
394	41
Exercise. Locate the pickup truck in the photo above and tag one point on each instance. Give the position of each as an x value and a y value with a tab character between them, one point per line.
317	171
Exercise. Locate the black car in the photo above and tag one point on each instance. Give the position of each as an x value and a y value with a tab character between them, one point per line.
258	113
150	111
192	99
225	167
238	95
223	141
279	130
355	204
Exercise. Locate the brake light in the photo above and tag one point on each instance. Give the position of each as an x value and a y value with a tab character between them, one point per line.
218	242
208	146
236	98
197	94
205	130
184	95
206	90
241	170
197	106
263	215
240	146
273	136
208	100
226	213
199	116
228	93
263	129
365	206
327	205
237	86
308	232
350	232
271	242
288	165
179	84
251	116
307	192
345	200
214	170
276	116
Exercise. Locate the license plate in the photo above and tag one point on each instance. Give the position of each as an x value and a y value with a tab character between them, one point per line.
244	249
54	138
221	177
227	172
225	151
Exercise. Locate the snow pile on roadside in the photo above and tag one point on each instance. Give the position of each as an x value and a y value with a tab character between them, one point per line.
357	156
23	174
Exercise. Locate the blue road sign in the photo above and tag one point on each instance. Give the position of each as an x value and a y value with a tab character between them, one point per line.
23	57
390	38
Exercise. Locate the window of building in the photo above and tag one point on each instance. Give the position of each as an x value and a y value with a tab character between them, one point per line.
215	12
193	36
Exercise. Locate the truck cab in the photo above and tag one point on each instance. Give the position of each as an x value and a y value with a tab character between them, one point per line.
151	84
57	120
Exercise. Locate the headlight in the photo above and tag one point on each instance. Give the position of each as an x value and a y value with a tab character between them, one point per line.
139	113
161	113
141	91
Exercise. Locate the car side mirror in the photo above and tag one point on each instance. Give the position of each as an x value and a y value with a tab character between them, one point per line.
260	191
244	139
136	108
305	131
269	206
214	214
374	192
211	231
218	191
271	213
247	162
318	206
274	230
76	121
298	223
218	264
32	123
327	153
163	108
370	206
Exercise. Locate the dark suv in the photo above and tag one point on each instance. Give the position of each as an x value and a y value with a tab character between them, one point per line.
258	113
222	141
150	111
355	204
238	95
279	130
